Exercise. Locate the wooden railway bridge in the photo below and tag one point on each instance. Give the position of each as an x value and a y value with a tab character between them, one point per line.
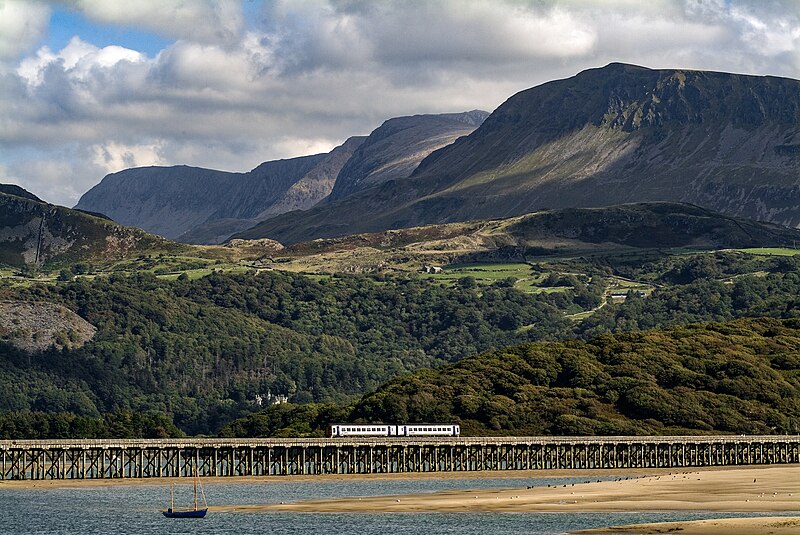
111	459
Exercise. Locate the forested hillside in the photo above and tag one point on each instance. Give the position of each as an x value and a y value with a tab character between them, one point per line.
202	352
736	377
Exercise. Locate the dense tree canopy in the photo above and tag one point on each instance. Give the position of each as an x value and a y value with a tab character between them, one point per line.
736	377
203	352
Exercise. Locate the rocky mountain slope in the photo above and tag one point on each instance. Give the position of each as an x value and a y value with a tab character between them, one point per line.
197	205
13	189
395	149
37	326
170	201
265	199
36	233
606	136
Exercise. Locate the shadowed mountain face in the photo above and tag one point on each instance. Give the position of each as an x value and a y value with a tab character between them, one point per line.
172	200
313	186
206	206
607	136
36	233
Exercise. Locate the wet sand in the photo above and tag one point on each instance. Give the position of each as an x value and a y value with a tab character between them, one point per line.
733	489
771	489
776	525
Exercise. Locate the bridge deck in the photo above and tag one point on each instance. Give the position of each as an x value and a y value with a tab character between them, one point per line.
141	458
400	441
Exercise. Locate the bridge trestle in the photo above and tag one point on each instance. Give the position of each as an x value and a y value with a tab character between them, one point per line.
117	459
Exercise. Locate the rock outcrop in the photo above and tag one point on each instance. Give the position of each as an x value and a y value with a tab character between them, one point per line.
35	233
37	326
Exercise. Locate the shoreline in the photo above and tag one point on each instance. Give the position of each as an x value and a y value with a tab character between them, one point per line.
499	474
776	525
756	490
748	489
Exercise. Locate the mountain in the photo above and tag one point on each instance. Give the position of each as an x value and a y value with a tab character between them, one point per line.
606	136
36	233
196	205
395	149
314	185
170	201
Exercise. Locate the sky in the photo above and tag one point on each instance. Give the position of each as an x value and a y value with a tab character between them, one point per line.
91	87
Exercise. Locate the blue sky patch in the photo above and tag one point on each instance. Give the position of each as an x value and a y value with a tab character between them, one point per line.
65	24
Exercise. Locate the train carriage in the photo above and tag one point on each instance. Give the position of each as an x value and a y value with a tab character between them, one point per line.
391	430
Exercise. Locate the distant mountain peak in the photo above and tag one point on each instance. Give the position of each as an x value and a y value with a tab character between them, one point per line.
394	150
207	206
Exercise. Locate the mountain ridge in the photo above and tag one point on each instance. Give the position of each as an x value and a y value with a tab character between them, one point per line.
378	159
181	197
207	206
606	136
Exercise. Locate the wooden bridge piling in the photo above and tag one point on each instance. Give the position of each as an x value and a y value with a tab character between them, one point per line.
112	459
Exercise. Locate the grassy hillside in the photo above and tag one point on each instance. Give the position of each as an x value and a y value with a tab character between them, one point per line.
34	233
201	350
198	343
609	231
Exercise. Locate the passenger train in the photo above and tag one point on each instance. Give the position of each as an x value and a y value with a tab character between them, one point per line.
394	430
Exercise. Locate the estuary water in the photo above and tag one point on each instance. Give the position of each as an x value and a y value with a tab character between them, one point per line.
136	509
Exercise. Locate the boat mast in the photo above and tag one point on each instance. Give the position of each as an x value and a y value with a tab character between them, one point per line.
195	488
172	496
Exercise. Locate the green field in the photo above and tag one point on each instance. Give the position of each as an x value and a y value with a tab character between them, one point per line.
771	251
526	278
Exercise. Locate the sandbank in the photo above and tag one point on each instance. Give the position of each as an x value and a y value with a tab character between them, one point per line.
769	489
162	481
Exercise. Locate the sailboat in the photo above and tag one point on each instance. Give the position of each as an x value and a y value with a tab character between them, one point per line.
195	512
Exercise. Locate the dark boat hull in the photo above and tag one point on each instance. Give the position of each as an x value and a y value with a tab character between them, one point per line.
200	513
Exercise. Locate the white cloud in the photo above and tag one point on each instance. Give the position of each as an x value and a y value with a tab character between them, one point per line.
305	75
113	157
22	24
53	176
79	61
768	36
